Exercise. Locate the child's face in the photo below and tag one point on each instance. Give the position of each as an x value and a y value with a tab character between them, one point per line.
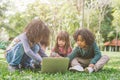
80	42
61	43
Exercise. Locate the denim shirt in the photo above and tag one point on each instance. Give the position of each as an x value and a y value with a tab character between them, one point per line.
22	38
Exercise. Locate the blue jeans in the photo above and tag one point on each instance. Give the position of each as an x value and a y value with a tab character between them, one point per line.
16	55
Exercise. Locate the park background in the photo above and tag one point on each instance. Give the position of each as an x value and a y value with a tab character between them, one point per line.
99	16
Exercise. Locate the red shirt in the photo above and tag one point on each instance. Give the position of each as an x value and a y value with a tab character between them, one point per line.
61	52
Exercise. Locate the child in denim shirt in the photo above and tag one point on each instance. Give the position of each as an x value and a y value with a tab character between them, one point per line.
24	49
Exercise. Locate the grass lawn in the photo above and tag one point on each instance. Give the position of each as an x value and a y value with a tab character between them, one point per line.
111	71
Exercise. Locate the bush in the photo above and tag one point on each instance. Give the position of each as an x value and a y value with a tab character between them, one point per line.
3	44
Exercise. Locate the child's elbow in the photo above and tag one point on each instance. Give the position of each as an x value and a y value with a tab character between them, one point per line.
27	51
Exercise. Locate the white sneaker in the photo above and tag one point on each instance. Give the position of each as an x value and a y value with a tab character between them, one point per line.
12	68
76	68
89	69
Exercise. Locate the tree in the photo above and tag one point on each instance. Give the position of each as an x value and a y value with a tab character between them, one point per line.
3	21
3	9
116	21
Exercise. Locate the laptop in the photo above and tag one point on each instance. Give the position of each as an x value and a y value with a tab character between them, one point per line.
54	65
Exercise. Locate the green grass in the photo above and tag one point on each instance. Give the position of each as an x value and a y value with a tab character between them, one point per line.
111	71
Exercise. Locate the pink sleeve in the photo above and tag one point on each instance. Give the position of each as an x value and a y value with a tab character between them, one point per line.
69	50
52	50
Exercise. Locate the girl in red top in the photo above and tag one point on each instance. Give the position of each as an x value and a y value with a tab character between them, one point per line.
62	46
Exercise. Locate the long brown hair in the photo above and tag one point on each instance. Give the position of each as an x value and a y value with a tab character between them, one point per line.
86	35
36	30
62	35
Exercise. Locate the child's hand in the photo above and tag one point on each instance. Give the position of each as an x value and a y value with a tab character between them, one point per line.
91	65
57	55
53	54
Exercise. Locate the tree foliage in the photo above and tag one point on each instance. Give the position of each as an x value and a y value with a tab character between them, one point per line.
99	16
